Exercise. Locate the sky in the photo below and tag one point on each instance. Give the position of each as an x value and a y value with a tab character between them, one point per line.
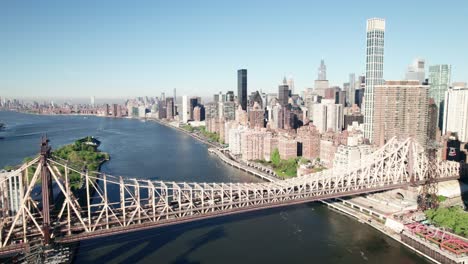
114	49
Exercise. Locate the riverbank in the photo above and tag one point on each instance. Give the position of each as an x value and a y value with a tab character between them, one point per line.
372	222
216	150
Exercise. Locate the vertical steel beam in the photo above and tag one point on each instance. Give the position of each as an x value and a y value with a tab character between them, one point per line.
88	198
46	185
106	203
67	189
122	201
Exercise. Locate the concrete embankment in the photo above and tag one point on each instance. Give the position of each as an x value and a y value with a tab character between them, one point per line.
240	166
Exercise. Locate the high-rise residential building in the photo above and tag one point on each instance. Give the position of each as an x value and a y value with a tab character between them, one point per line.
283	93
439	82
432	127
115	109
241	116
170	108
401	110
350	96
199	113
374	70
162	110
229	110
185	109
211	110
309	137
235	140
252	144
242	88
194	101
328	116
106	109
93	101
416	71
322	71
456	113
256	116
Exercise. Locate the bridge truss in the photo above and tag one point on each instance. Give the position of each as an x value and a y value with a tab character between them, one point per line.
49	210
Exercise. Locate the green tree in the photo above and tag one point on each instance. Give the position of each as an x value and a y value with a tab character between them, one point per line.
275	157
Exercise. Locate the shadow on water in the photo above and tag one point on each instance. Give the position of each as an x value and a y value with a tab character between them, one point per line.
131	244
464	179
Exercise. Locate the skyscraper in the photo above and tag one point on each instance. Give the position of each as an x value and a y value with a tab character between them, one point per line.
291	84
322	71
93	101
321	83
185	109
242	88
439	81
283	93
374	70
351	92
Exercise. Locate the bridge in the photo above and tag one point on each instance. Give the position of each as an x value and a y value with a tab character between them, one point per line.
48	210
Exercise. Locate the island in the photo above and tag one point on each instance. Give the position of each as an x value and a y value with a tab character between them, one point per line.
83	154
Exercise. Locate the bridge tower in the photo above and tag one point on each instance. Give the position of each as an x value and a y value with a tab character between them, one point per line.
427	197
47	193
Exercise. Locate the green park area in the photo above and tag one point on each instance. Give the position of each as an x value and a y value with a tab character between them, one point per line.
210	136
454	218
284	168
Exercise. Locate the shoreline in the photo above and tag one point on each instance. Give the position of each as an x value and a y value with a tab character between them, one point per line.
361	217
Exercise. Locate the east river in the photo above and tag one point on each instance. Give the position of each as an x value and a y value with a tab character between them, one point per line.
308	233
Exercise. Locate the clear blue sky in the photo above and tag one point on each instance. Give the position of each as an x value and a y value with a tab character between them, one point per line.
132	48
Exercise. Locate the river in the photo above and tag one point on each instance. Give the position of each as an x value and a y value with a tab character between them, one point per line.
308	233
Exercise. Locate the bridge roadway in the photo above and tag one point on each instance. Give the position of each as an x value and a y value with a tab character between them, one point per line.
145	204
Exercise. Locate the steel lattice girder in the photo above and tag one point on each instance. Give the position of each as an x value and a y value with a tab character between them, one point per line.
144	204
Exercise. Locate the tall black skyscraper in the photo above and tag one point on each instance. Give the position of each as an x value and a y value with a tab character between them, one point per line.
283	94
242	88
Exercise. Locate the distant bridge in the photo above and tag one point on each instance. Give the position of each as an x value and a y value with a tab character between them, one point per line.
108	205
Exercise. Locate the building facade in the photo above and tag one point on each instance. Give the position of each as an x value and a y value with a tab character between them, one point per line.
401	110
456	113
439	82
242	88
374	70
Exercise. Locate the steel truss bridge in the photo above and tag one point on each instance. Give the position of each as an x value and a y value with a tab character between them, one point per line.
107	205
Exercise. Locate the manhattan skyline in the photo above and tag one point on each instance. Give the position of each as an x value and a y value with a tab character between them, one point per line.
62	50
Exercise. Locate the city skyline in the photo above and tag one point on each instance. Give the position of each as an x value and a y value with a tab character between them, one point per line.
124	56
